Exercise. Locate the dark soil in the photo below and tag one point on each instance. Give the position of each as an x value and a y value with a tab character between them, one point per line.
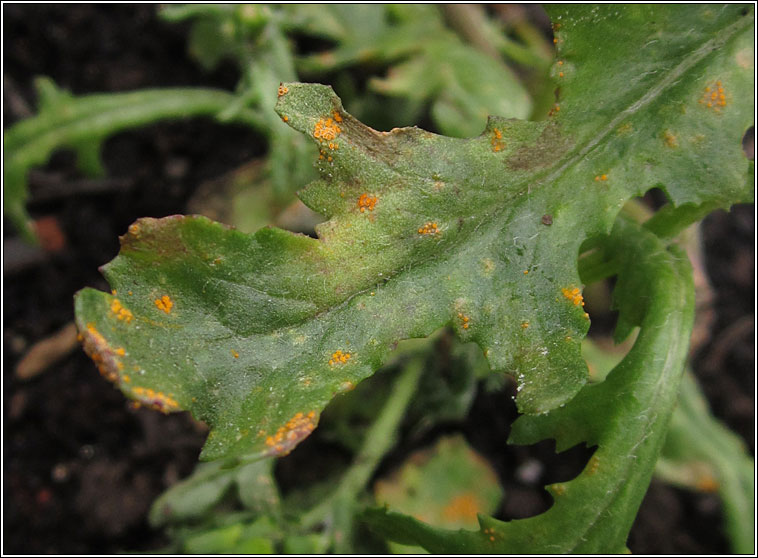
81	467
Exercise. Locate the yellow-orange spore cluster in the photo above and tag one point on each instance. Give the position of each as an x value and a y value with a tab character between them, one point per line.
496	141
326	130
282	90
101	353
555	109
297	428
338	357
164	303
123	314
490	533
574	295
366	202
429	228
600	177
714	97
462	507
156	399
134	229
464	320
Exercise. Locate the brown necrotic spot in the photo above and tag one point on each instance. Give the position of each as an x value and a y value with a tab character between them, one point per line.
542	153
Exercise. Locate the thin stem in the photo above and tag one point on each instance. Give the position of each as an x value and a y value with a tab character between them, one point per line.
378	441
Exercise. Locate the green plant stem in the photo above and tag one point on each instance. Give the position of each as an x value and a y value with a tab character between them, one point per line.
696	435
338	509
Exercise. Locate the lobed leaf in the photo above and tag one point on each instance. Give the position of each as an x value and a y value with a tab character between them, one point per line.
256	333
626	416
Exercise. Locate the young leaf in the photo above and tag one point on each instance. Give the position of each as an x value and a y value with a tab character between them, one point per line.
625	416
256	333
435	485
463	84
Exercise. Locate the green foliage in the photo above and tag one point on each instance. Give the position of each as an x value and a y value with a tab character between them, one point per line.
435	485
263	326
83	123
625	416
429	62
256	333
702	454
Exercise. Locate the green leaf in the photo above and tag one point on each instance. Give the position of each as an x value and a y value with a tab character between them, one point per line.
434	485
703	454
463	85
625	416
82	123
238	538
257	333
195	497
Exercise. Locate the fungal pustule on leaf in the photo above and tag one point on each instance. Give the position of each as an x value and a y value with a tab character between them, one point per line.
326	130
366	202
574	295
496	140
714	97
429	228
121	313
287	436
156	399
164	303
102	354
339	357
464	320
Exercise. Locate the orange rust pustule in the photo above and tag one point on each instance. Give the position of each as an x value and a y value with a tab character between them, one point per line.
429	228
326	130
366	202
574	295
283	90
164	303
338	357
102	354
464	320
496	141
292	433
156	400
714	97
121	313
